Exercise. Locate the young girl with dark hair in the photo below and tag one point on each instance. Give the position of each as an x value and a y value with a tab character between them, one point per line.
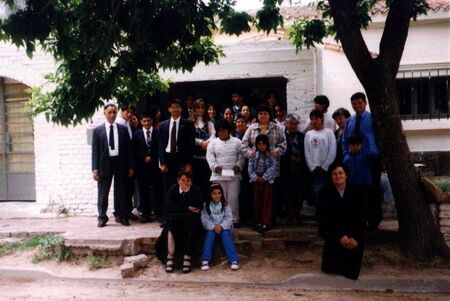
217	220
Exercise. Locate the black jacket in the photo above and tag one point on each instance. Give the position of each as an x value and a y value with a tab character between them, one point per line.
185	141
100	150
141	150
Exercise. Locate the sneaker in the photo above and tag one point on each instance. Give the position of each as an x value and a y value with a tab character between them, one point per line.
205	265
234	265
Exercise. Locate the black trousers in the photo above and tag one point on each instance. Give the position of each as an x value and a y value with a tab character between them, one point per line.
145	196
120	191
174	164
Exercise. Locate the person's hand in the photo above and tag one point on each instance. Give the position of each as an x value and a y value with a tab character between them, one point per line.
218	169
260	180
193	209
236	169
273	153
204	144
218	229
352	244
164	168
95	175
344	241
147	159
251	154
130	172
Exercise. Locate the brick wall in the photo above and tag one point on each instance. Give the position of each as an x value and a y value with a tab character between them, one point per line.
443	215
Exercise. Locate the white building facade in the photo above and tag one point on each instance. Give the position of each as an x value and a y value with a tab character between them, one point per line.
61	156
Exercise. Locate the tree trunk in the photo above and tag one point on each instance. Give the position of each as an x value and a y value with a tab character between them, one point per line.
420	237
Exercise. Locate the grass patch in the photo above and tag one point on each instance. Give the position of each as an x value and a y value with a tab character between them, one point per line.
96	262
26	244
51	247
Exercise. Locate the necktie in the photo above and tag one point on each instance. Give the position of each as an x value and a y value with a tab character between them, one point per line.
357	125
173	138
149	141
111	137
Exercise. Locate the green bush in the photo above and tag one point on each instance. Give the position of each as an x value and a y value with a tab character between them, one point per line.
51	247
96	262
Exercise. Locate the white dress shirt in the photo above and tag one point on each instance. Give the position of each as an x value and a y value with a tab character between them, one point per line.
113	152
170	132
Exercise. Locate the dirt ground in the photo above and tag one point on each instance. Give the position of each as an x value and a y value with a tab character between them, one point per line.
56	289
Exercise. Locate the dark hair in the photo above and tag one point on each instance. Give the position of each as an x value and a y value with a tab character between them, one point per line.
341	112
174	101
358	95
213	187
355	139
184	171
264	108
223	124
322	100
263	138
146	115
316	113
237	91
336	165
109	105
240	116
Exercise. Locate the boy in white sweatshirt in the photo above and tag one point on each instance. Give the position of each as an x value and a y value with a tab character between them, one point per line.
320	152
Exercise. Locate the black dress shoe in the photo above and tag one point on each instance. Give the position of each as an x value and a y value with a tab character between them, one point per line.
125	222
133	217
117	219
101	224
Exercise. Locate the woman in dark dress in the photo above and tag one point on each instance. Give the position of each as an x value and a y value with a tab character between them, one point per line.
178	240
342	221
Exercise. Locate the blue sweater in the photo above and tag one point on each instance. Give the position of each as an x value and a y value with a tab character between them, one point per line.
359	167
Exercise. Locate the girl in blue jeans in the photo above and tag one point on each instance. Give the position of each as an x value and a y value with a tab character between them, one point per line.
217	219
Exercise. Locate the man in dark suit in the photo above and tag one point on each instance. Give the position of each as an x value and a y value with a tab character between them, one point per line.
176	144
112	157
145	150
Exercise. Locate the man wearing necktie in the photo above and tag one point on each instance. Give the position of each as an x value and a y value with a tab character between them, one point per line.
361	124
145	150
111	158
176	144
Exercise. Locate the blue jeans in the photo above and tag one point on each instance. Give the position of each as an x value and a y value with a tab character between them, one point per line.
227	242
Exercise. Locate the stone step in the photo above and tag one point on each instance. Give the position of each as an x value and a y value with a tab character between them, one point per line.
125	247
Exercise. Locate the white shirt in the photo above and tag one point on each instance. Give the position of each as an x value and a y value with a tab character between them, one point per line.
124	122
113	152
320	148
170	132
145	133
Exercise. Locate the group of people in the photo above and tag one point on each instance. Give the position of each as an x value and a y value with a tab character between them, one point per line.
198	172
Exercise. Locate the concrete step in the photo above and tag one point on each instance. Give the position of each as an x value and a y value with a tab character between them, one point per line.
125	247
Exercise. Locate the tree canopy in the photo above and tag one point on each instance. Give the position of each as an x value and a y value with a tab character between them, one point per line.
115	48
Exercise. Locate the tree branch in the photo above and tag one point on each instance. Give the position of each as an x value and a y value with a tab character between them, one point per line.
394	35
349	33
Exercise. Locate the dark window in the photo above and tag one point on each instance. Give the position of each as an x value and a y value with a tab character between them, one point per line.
425	97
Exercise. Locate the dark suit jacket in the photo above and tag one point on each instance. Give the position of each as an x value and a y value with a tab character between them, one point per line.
185	142
140	151
100	150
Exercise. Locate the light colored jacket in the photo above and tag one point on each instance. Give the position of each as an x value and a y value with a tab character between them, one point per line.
226	154
209	224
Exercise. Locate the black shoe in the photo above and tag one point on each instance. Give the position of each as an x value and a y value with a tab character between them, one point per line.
133	217
145	220
125	222
237	225
101	224
117	219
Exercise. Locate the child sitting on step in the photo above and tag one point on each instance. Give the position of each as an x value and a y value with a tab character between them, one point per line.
217	219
